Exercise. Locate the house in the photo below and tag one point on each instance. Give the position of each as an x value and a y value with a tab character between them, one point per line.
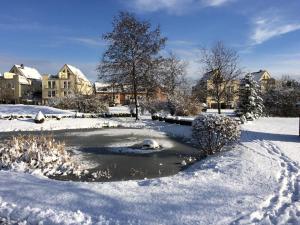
69	80
204	90
264	79
122	94
22	84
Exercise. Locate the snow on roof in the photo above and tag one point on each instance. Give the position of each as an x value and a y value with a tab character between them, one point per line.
208	75
101	85
23	80
29	72
258	75
77	72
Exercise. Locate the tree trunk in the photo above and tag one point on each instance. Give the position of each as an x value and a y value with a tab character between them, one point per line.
135	101
135	93
219	107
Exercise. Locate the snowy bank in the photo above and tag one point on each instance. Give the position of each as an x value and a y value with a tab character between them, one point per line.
258	182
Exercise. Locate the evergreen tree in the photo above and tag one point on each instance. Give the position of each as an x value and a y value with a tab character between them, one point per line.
250	103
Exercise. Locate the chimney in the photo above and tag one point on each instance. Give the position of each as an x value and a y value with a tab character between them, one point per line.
22	66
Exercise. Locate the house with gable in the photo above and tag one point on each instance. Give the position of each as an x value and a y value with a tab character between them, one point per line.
68	81
22	84
204	89
264	79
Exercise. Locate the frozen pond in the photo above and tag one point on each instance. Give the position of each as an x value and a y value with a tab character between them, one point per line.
110	151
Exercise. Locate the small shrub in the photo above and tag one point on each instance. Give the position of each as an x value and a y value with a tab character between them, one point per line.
42	153
212	132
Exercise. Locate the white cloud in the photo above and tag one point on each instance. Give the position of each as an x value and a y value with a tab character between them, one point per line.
175	6
87	41
266	28
214	3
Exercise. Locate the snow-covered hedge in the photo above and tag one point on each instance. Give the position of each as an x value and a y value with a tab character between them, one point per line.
212	132
37	154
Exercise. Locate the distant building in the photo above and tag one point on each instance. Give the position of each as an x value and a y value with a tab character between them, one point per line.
264	79
22	84
123	95
205	86
69	80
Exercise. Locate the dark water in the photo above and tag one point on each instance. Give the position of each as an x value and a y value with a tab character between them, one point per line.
101	148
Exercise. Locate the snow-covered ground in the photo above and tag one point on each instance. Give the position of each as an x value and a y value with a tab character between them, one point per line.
29	110
258	182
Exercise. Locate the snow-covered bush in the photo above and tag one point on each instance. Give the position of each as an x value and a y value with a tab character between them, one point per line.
212	132
81	103
179	104
250	102
184	104
37	153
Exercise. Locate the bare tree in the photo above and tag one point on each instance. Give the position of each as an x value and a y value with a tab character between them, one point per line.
172	73
221	65
133	47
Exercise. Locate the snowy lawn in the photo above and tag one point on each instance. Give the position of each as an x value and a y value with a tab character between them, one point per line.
20	109
53	124
258	182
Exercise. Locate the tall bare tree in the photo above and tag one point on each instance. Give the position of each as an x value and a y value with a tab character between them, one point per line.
132	49
172	73
222	67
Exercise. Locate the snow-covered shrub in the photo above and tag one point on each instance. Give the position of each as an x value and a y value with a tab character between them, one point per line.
179	104
39	118
184	104
212	132
37	153
81	103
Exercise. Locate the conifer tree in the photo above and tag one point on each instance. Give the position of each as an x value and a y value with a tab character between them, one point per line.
250	103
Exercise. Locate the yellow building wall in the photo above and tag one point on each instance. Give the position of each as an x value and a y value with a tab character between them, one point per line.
234	87
76	85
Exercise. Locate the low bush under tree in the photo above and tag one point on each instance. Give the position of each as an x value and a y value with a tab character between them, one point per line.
81	103
212	132
37	153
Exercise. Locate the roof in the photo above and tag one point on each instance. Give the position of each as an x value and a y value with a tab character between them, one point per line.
257	76
104	87
101	85
29	72
23	80
77	72
208	75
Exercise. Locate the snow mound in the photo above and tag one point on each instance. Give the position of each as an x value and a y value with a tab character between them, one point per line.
150	144
39	118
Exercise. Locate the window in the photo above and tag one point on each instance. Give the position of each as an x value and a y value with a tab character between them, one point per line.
65	93
51	94
65	84
51	84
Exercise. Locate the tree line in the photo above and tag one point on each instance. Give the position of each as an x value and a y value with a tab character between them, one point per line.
134	58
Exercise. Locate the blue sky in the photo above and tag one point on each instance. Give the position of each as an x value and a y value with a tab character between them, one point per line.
48	34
